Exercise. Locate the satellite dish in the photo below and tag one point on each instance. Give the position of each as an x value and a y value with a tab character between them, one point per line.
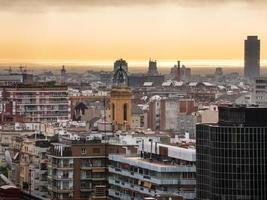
8	159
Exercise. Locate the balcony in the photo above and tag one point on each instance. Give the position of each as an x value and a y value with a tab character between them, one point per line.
119	195
138	188
62	177
89	167
65	152
43	167
155	180
150	192
91	177
62	189
87	189
62	166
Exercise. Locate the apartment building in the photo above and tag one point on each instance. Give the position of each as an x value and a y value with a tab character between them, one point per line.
34	103
77	169
167	113
161	171
260	91
33	166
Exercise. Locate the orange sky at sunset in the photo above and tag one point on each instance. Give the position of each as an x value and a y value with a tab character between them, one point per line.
134	31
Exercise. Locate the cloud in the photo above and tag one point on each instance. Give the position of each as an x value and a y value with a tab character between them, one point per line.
39	5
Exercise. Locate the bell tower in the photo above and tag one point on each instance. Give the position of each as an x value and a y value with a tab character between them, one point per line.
121	99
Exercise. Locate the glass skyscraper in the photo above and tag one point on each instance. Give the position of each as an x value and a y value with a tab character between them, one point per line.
231	155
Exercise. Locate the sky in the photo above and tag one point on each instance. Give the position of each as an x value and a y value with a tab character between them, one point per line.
102	30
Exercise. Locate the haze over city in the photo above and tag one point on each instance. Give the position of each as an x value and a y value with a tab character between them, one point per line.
92	33
133	100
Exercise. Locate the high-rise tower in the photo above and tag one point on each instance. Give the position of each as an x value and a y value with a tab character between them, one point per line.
231	155
252	57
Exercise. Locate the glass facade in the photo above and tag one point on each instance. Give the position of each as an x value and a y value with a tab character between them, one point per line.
231	162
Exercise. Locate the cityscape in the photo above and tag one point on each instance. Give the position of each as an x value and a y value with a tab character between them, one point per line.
160	129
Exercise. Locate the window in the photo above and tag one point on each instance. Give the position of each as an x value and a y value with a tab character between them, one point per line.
65	174
113	111
83	151
125	112
96	150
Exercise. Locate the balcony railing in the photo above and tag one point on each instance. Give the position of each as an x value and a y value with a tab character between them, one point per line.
62	166
119	195
150	192
155	180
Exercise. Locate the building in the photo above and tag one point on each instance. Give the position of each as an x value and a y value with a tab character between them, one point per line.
252	57
106	78
137	80
207	114
33	166
34	103
8	191
171	114
160	171
15	78
260	91
78	169
218	71
120	63
231	155
63	75
121	100
152	68
180	73
137	117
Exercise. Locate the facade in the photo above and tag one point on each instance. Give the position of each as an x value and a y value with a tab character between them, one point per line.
260	91
231	155
169	113
121	106
137	80
252	57
208	114
162	171
152	68
33	167
187	124
120	63
121	100
106	78
137	117
79	169
13	79
63	75
35	103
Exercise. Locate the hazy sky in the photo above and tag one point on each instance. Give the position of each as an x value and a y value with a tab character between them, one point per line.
132	29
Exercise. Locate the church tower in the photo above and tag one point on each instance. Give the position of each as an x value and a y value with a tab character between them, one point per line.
121	100
63	75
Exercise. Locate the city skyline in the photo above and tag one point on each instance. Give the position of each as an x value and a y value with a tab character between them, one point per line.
139	30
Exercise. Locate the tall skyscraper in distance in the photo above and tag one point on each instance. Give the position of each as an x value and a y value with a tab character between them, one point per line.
231	155
252	57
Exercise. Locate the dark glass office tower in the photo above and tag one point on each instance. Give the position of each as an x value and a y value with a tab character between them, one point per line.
252	57
232	155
